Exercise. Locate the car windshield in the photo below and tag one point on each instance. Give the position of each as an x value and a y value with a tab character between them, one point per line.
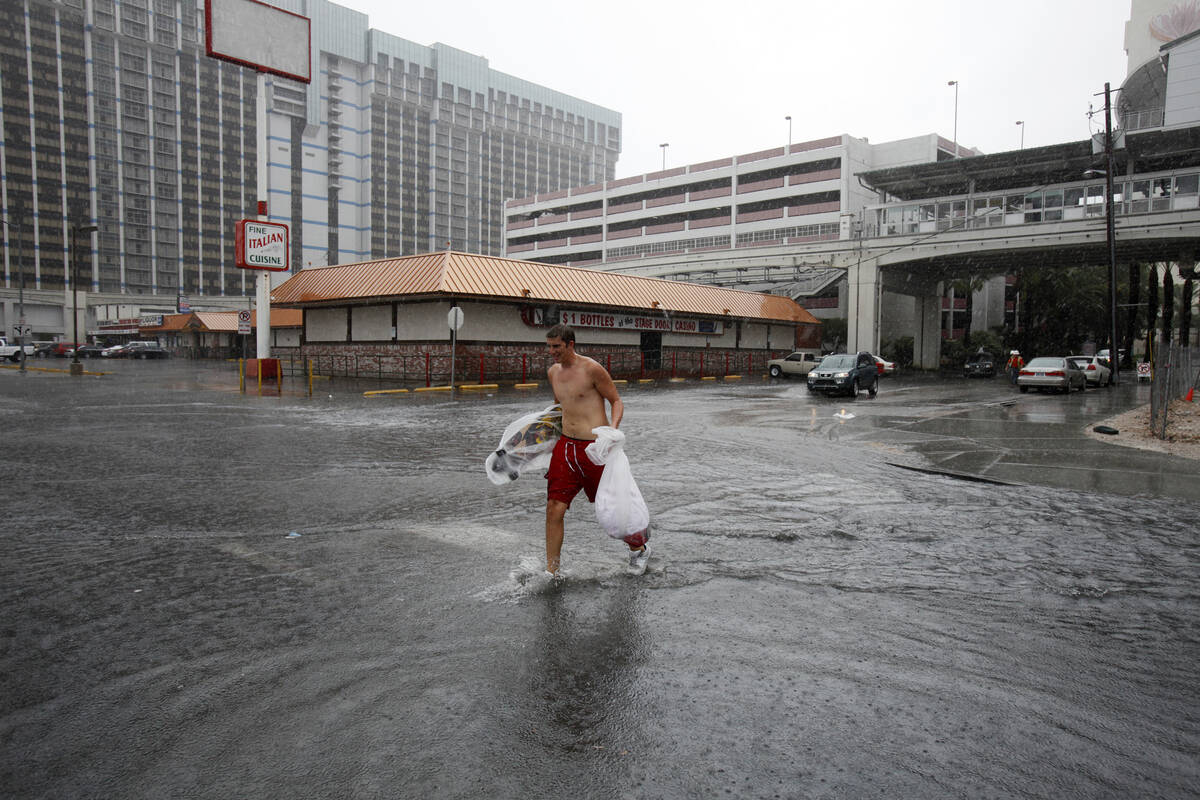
842	361
977	357
1045	363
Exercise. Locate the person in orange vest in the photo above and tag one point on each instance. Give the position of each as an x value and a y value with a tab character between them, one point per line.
1015	362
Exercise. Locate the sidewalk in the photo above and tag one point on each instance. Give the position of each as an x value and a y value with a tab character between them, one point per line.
1183	430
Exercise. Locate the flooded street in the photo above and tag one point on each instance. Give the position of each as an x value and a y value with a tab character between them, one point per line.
213	595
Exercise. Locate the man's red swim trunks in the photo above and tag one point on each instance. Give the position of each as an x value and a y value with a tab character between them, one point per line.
572	470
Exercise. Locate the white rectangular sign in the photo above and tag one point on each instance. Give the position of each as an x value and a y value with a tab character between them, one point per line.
661	324
259	36
261	245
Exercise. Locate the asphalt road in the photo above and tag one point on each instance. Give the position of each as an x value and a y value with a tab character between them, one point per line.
207	594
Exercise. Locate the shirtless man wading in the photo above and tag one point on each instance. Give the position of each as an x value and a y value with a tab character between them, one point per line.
580	386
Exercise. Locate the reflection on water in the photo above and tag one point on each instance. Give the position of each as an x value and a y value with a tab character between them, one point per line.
816	622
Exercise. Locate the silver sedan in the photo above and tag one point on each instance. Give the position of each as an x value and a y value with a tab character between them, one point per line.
1051	373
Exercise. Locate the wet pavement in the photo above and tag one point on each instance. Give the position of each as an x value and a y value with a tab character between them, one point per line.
207	594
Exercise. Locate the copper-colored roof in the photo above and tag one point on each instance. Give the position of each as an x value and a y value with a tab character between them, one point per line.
227	320
468	275
224	321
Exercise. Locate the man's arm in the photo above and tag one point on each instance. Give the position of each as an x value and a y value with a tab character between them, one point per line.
608	390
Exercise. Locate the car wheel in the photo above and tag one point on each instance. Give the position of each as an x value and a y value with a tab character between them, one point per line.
775	372
874	390
854	388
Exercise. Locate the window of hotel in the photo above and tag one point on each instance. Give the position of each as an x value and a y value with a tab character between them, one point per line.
1187	184
1054	201
1139	197
1033	207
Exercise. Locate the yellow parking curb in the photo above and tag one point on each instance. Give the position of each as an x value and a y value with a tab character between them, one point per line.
47	369
432	389
525	385
378	392
707	378
733	377
477	386
645	380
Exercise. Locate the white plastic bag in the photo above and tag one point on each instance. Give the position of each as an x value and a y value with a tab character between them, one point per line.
620	509
527	444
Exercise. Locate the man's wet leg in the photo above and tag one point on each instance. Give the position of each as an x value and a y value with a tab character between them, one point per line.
555	511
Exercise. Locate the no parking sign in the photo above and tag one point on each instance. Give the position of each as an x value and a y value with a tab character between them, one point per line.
243	321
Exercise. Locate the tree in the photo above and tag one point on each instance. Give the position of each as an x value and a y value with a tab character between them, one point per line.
1185	313
1061	308
1131	328
1151	308
1168	304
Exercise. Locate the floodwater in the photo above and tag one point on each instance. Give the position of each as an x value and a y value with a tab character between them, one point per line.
208	594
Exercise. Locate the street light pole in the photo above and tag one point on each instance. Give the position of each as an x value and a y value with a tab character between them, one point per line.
76	366
664	147
1021	124
789	122
1114	355
955	85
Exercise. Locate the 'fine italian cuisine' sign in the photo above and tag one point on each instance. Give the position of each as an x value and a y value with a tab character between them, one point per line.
261	245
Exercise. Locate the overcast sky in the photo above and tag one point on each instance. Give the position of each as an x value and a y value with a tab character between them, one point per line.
716	79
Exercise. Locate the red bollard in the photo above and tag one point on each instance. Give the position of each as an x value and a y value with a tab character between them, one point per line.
481	367
523	368
702	365
642	368
427	383
674	359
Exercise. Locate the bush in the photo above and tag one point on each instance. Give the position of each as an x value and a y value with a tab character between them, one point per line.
899	350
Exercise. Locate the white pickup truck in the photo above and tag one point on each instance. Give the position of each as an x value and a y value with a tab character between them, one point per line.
13	352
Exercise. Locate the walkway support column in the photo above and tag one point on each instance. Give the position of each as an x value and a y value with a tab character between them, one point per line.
863	291
927	334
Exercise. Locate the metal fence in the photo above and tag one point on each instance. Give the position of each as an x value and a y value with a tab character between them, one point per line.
1176	373
431	368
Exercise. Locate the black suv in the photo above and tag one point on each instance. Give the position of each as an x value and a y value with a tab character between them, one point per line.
982	364
842	372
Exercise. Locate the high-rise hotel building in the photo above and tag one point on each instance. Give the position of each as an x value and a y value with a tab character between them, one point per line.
112	114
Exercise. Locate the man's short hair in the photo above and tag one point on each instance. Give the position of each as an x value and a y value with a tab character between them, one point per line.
561	331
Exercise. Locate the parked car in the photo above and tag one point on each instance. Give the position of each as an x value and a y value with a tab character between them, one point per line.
114	351
842	372
1095	369
884	366
980	365
89	350
800	362
43	349
1051	372
63	349
144	350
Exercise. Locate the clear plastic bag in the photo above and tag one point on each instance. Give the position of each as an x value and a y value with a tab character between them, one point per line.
527	444
620	509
